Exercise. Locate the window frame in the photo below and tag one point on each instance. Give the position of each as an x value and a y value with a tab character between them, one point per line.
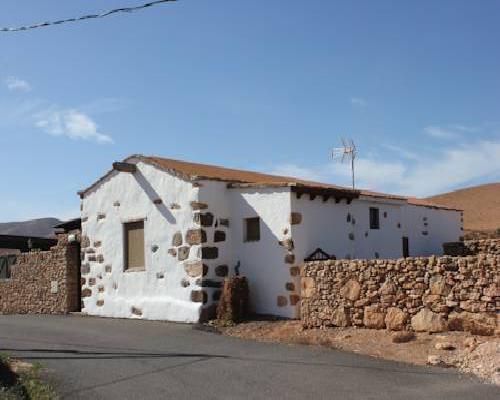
246	225
125	224
374	218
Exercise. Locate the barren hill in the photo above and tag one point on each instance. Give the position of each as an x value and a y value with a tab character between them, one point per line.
43	227
481	205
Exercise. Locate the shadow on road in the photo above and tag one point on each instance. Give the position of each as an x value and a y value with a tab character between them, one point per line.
93	355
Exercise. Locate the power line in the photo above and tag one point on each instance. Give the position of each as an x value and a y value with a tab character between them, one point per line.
84	17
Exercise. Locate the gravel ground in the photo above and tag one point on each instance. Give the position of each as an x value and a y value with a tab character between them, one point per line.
479	355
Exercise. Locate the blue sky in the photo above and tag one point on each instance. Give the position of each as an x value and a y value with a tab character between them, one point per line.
263	85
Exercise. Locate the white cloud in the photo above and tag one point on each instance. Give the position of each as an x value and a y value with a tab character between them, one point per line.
464	128
359	102
296	171
433	173
71	123
14	84
454	167
403	153
440	132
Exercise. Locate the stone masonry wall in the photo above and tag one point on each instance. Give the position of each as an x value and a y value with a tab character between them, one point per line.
472	247
421	294
43	282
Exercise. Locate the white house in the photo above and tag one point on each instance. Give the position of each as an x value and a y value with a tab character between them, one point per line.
160	235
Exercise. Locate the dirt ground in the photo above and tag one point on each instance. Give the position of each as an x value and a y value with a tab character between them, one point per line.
472	354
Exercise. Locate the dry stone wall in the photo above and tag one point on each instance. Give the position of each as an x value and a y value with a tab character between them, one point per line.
431	294
43	282
472	247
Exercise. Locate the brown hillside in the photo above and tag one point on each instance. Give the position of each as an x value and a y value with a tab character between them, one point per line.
481	205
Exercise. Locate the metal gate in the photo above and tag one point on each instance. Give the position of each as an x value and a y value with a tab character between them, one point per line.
6	262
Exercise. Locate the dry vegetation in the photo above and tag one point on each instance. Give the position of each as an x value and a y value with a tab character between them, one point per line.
21	381
474	354
481	205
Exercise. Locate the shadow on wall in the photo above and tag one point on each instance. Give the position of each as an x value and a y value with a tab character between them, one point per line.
263	261
153	196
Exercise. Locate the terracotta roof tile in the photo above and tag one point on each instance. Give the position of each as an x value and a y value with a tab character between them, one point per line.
200	171
430	204
243	178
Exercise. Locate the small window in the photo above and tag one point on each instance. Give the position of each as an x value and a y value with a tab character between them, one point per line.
374	218
134	245
252	229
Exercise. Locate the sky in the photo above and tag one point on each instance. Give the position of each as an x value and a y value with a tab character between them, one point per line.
266	85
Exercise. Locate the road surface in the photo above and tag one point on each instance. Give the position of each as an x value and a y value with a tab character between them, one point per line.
99	358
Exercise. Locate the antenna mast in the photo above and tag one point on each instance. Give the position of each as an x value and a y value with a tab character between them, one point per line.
346	153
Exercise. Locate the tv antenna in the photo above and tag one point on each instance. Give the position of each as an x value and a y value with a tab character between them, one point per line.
346	153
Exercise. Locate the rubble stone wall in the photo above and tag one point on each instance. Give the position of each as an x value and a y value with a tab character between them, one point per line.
472	247
43	282
422	294
486	246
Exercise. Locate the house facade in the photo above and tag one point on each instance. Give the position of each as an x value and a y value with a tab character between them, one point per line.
160	235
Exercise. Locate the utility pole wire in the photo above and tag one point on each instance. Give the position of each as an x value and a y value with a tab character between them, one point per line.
84	17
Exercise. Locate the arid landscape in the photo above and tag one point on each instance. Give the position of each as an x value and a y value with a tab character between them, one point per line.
481	205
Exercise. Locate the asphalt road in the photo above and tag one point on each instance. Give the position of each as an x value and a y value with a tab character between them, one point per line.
94	358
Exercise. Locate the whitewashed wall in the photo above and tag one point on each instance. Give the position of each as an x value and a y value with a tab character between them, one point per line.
263	262
157	291
214	195
428	228
164	290
326	225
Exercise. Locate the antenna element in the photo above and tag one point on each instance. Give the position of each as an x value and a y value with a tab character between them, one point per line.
346	153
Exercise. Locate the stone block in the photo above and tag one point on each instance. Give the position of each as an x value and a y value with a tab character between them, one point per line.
340	317
209	253
308	288
136	311
196	236
428	321
351	290
221	270
194	269
294	299
199	296
204	219
373	318
395	319
177	239
196	205
295	218
183	253
219	236
281	301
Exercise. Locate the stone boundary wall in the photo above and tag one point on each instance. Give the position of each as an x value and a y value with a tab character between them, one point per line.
43	282
431	294
472	247
486	246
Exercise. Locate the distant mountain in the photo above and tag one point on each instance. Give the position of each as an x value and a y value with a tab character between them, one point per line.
43	227
481	205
